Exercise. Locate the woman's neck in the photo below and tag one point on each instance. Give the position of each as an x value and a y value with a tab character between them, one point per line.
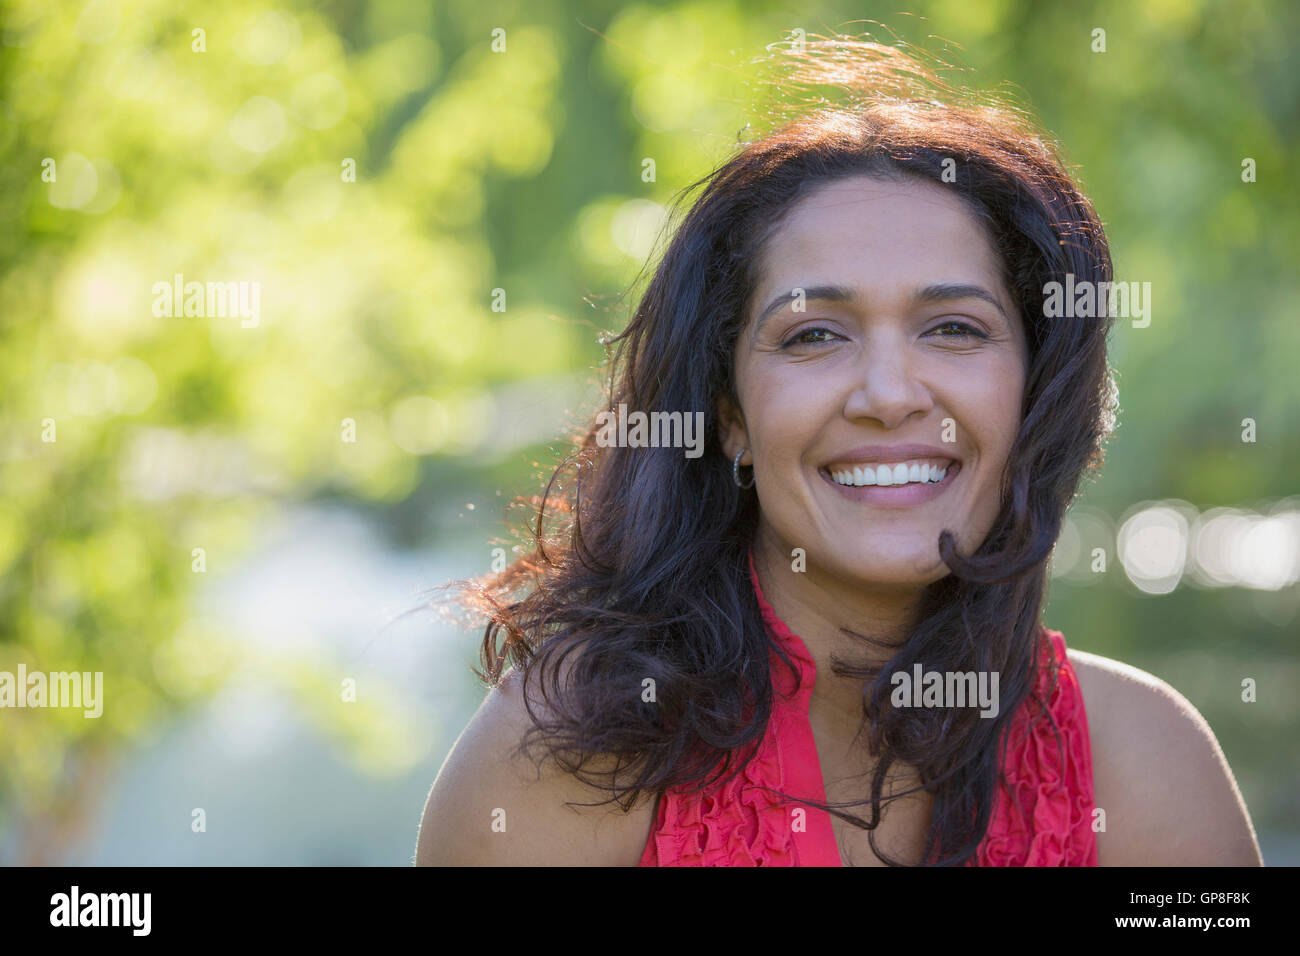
815	606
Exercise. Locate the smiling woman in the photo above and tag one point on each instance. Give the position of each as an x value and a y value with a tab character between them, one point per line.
926	344
855	302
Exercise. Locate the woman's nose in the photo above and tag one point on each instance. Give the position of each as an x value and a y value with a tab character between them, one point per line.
885	387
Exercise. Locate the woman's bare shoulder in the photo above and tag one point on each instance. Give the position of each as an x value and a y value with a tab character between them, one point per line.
493	806
1158	773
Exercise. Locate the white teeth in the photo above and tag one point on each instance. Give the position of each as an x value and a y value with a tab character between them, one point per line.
911	472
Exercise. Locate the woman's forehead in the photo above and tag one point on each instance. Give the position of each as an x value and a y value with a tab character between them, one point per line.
882	237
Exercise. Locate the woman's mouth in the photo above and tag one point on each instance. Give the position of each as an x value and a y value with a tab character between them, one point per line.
892	484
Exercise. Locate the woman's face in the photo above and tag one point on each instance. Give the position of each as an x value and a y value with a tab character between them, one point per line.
907	337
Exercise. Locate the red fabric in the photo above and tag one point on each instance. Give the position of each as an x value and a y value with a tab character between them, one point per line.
1042	814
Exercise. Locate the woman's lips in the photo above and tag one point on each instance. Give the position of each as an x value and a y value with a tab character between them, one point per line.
894	496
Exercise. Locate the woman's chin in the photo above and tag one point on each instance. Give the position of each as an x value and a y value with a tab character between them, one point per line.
915	571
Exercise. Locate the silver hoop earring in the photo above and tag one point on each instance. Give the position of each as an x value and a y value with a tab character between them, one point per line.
735	470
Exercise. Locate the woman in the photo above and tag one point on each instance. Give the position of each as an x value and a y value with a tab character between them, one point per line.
819	643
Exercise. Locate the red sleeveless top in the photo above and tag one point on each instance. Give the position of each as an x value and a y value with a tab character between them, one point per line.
1042	814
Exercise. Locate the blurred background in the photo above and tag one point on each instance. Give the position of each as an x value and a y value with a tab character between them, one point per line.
440	206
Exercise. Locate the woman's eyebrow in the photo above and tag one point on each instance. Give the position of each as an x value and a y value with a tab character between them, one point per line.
824	293
946	291
939	292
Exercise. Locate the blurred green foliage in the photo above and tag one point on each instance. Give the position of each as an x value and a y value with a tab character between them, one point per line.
521	170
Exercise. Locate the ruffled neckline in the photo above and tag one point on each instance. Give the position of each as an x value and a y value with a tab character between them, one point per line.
1043	804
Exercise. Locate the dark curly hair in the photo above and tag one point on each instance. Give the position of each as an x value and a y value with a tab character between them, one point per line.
637	563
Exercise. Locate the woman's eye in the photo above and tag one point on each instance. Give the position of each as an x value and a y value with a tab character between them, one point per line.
802	338
962	330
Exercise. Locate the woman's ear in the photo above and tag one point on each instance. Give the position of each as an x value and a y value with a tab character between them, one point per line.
731	427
